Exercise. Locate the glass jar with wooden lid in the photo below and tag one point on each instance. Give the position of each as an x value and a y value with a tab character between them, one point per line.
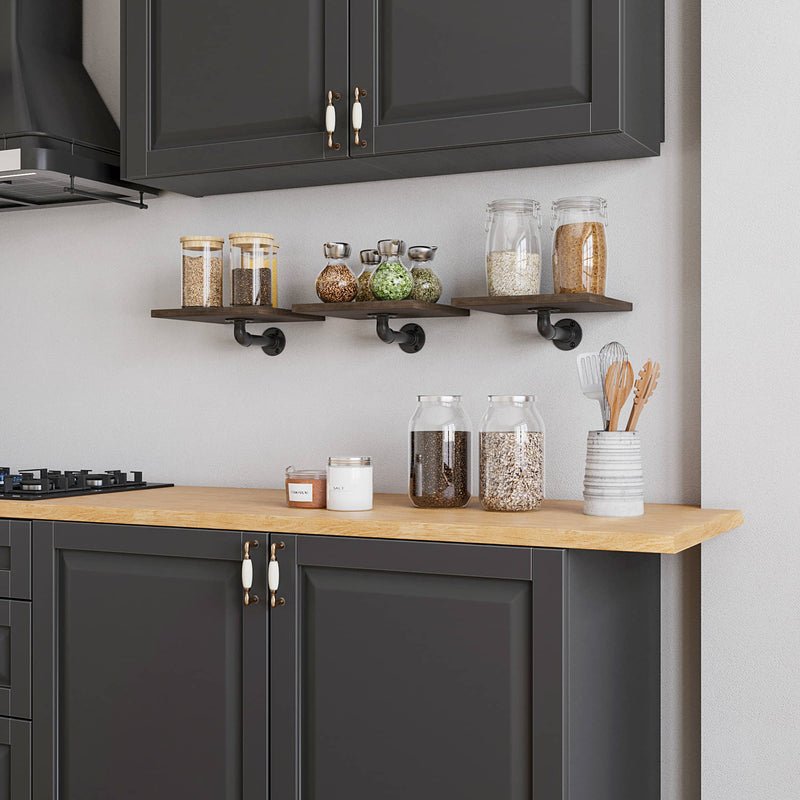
201	271
251	259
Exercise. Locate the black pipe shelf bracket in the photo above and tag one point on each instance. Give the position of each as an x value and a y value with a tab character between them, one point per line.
566	334
272	341
410	338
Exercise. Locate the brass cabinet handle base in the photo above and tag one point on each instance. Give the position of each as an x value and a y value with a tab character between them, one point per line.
247	574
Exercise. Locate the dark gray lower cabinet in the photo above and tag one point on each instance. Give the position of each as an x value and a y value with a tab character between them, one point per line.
15	759
150	675
403	669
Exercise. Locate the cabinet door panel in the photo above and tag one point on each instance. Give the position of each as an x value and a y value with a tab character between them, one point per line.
414	671
15	658
15	759
231	83
455	73
15	559
156	671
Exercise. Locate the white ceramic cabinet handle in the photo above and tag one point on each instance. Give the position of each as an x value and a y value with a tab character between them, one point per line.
358	117
247	574
330	120
274	575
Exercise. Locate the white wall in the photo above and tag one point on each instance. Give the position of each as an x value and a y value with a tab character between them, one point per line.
751	381
97	382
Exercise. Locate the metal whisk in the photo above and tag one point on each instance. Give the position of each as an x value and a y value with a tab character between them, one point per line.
610	353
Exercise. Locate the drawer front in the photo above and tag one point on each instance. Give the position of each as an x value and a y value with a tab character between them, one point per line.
15	659
15	559
15	759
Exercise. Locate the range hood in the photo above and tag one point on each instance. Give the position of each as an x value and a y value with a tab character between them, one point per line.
58	142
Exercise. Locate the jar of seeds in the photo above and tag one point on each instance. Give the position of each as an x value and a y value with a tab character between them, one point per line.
513	251
201	271
511	449
439	450
370	259
391	280
336	283
427	286
579	245
251	269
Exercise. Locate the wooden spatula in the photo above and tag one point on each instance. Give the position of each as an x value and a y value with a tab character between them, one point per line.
643	391
618	385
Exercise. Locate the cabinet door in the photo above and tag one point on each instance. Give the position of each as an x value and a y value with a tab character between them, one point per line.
227	84
449	73
15	759
150	675
406	669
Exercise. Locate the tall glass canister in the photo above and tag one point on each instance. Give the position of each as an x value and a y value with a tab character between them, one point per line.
511	454
201	271
579	245
251	269
513	249
439	442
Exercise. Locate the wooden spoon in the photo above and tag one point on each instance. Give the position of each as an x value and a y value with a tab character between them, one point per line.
618	385
643	391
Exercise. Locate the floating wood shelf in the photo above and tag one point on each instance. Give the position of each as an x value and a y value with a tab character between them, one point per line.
403	309
410	338
272	341
566	334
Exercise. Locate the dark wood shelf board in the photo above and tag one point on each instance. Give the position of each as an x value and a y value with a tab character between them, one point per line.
558	303
228	314
402	309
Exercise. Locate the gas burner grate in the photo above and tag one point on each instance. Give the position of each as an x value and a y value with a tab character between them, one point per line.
43	483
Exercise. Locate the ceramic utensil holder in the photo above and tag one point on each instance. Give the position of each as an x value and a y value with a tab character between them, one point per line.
613	485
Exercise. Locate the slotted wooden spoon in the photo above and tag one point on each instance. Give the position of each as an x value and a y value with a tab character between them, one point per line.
643	391
618	385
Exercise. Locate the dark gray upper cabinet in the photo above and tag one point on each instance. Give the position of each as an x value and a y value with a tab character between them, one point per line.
232	96
409	669
150	674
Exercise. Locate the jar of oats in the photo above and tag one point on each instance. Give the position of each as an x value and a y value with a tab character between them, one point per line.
511	454
201	271
579	245
513	251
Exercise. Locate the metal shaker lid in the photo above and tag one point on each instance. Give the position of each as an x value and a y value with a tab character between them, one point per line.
370	256
420	252
336	249
391	247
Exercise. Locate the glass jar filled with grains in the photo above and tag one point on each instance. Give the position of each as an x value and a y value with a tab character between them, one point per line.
336	283
579	245
201	271
370	259
275	247
513	250
391	280
511	450
251	269
427	286
439	447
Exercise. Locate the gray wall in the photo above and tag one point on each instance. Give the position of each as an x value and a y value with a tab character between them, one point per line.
101	384
751	377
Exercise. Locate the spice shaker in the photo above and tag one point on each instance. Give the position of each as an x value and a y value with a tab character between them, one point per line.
579	245
370	259
350	483
201	271
426	286
336	283
513	250
251	269
391	280
439	447
511	452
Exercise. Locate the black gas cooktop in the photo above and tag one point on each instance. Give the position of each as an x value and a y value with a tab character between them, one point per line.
41	484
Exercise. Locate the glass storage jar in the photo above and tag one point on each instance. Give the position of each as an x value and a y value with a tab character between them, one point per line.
251	269
350	483
427	286
513	249
336	283
275	247
579	245
511	451
439	448
306	488
391	280
370	259
201	271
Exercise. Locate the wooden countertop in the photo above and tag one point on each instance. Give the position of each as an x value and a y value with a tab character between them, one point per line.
559	523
